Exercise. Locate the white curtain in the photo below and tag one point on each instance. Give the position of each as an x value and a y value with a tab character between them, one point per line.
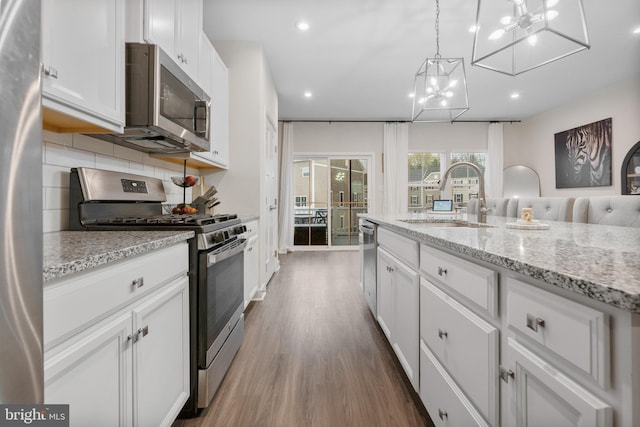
495	161
285	212
396	151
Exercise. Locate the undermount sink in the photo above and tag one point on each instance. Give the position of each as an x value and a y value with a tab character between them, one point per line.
446	223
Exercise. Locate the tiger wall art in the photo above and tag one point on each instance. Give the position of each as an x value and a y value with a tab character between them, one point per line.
583	156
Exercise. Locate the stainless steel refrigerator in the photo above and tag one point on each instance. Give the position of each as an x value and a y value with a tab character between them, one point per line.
21	369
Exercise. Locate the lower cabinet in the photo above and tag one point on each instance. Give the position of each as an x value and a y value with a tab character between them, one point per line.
129	369
117	341
398	304
93	375
251	262
465	345
541	395
444	400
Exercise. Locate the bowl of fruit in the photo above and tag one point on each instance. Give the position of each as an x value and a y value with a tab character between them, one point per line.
184	181
181	209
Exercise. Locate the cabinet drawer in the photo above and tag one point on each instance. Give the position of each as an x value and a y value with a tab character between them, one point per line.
402	247
445	402
478	284
577	333
465	345
86	297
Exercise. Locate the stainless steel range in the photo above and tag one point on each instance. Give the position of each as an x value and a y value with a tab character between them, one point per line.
107	200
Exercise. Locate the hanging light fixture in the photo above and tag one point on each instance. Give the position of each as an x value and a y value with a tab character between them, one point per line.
440	89
515	36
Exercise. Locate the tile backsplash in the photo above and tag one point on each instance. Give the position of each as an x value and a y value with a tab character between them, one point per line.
63	151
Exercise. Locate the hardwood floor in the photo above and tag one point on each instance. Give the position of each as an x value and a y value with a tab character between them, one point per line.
312	355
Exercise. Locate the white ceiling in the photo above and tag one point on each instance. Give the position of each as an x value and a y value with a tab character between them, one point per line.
359	57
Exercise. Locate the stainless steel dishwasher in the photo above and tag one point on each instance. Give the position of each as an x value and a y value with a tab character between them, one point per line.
369	244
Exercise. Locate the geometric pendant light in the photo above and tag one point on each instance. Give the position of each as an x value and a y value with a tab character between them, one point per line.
440	87
515	36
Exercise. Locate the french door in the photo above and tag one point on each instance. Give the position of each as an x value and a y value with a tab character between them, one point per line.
329	193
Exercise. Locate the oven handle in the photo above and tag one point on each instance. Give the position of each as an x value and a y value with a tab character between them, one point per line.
214	258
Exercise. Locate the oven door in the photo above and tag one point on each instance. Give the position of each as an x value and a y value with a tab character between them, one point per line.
220	297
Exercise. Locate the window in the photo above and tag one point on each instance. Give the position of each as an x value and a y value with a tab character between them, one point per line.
301	201
426	169
424	178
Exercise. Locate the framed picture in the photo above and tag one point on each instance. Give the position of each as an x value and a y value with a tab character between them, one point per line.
583	156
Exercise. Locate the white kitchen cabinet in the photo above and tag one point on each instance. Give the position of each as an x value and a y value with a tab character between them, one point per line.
175	26
251	262
83	65
398	310
117	341
542	395
466	345
578	334
161	356
214	77
96	368
444	400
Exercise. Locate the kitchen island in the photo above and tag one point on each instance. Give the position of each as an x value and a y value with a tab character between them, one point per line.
116	325
501	326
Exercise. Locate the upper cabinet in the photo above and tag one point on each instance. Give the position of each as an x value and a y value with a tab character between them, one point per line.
175	26
219	81
83	65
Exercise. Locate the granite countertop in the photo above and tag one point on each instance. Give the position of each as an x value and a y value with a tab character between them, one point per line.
599	261
68	252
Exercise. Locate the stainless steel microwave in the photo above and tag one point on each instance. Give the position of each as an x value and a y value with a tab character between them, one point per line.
166	111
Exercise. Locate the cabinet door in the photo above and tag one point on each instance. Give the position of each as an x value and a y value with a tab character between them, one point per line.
188	39
466	345
93	375
161	356
160	25
405	335
205	76
250	268
541	395
83	60
385	292
219	110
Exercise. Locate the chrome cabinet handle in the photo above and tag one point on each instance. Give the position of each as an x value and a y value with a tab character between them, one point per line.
144	331
442	414
505	374
442	271
534	322
442	334
137	283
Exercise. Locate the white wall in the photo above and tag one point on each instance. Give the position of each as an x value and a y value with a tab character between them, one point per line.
531	143
63	151
252	96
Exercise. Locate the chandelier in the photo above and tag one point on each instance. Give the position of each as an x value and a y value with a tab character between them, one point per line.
440	87
515	36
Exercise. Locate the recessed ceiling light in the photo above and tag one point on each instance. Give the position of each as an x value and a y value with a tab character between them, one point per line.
302	25
515	95
412	95
473	29
636	30
308	94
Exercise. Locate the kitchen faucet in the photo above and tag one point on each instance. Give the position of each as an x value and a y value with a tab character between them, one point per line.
482	209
